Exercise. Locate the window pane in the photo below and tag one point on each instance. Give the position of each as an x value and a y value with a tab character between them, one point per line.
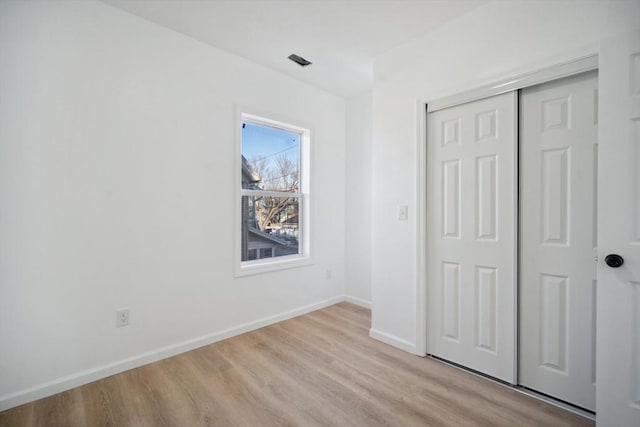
269	227
270	158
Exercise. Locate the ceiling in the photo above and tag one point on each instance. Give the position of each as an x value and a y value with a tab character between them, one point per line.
340	37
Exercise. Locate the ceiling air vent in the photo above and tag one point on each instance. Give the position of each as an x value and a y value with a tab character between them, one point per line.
299	60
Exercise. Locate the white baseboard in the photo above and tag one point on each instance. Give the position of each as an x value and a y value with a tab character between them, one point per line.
358	301
39	391
394	341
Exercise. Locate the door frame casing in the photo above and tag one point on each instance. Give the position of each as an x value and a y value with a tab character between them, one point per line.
423	107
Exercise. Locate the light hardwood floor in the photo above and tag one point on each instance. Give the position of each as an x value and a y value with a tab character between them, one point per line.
315	370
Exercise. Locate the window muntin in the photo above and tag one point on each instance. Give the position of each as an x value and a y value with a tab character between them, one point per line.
272	192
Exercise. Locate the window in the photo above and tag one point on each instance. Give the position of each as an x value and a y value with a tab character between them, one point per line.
273	195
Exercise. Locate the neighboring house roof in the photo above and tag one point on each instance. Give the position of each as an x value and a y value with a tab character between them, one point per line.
248	173
265	236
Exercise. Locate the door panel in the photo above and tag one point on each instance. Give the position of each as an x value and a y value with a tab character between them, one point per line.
471	234
557	264
618	294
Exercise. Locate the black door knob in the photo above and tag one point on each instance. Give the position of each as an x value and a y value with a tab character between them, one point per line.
614	261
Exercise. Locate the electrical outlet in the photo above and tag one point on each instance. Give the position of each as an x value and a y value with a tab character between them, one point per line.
122	317
328	274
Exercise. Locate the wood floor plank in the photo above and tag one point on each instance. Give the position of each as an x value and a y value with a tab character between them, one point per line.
379	383
319	369
285	393
316	372
453	383
144	407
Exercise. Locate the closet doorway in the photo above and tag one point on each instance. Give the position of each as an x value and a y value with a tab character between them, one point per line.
511	236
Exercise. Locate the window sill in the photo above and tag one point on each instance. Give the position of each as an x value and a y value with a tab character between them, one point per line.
250	268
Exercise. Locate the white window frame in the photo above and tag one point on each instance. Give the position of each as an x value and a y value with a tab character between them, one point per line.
265	265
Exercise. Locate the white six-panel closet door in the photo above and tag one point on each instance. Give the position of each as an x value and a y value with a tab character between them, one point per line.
471	253
558	238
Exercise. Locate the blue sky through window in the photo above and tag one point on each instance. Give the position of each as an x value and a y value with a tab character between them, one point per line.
269	143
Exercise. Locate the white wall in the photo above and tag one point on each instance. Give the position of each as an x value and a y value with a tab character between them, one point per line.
358	203
117	190
494	41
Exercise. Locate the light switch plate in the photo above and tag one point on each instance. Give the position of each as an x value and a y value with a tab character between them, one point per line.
403	212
